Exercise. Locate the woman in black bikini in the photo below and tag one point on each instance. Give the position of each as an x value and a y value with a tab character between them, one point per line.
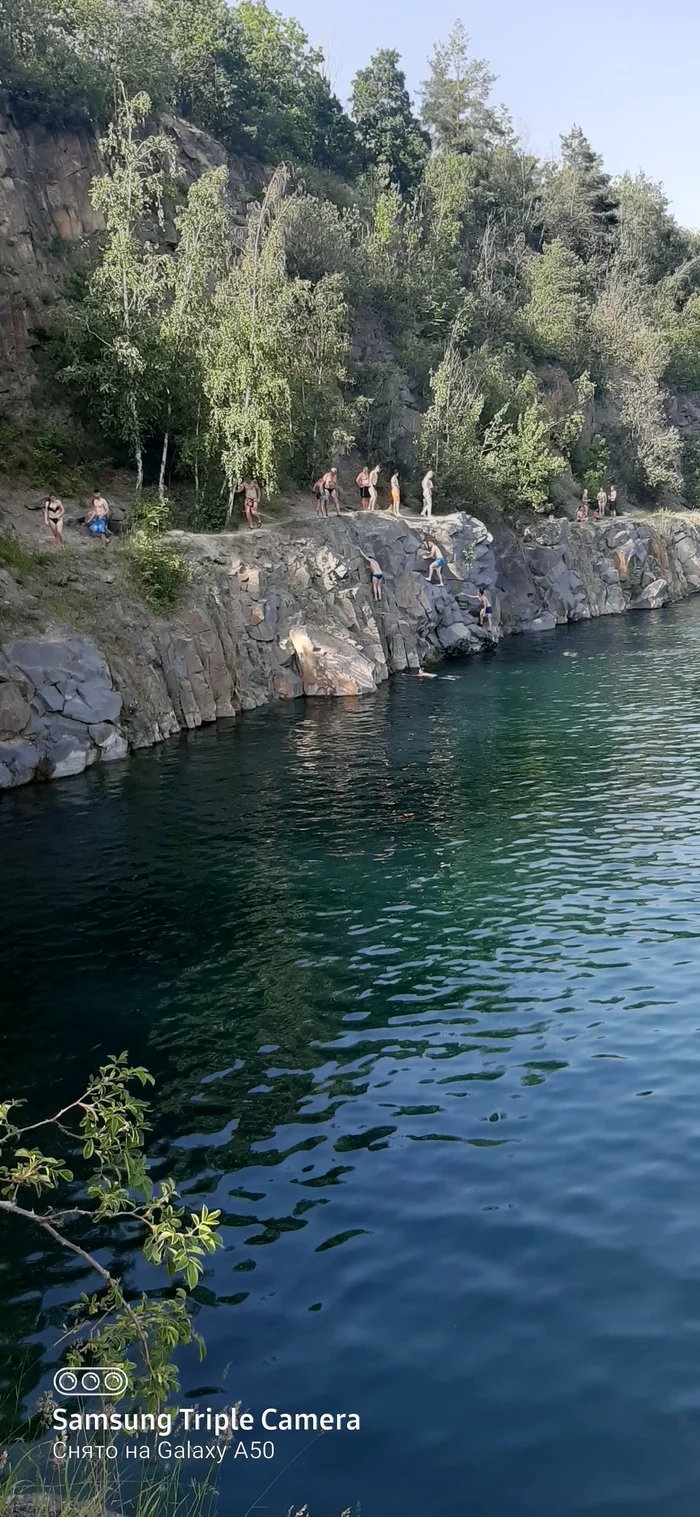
53	516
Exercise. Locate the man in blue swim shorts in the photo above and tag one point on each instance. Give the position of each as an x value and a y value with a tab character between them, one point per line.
98	516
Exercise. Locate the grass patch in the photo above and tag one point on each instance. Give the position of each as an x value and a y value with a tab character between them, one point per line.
22	561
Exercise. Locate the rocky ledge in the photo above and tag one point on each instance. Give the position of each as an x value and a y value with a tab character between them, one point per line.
288	611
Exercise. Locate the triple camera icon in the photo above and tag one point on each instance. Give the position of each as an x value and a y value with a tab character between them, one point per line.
109	1381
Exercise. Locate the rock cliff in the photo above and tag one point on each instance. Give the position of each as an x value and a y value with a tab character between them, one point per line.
288	611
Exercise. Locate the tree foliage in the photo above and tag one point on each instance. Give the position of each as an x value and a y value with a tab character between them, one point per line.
390	136
104	1131
455	106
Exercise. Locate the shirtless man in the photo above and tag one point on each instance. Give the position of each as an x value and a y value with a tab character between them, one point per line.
602	501
612	500
362	483
376	573
98	517
427	487
395	494
251	500
437	562
53	516
373	477
330	484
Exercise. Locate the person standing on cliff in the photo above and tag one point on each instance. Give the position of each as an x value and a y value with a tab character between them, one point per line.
376	574
395	494
98	517
427	487
362	483
251	501
373	478
584	506
612	500
54	513
602	501
321	495
330	485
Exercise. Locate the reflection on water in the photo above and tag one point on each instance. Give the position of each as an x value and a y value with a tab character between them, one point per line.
417	975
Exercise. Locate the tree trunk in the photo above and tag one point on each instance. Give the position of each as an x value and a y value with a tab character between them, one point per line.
231	498
163	461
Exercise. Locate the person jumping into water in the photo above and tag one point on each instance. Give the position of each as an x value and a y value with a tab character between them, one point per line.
376	573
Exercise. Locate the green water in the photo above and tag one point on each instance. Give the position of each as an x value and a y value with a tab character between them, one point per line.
418	979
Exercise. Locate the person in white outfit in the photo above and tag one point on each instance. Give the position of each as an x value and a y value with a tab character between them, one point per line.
427	484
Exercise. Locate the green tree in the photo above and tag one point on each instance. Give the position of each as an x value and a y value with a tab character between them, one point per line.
390	135
519	456
580	204
449	439
200	262
249	378
321	416
105	1131
455	106
212	84
632	356
118	357
650	242
554	321
293	112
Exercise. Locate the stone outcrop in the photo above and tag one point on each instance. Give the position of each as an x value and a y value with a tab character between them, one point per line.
59	711
288	611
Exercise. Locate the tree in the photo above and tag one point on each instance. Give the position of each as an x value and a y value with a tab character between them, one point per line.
212	83
110	1327
250	374
199	263
633	354
650	243
117	353
554	321
390	136
455	99
580	204
520	458
293	112
322	420
449	438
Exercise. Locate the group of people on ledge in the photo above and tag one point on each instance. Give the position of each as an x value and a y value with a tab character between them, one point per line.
367	481
96	520
606	505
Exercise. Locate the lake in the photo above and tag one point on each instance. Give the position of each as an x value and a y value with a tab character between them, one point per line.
417	976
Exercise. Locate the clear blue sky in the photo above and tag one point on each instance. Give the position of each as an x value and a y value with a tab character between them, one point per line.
626	71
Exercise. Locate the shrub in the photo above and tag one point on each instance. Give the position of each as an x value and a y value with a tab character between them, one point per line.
161	571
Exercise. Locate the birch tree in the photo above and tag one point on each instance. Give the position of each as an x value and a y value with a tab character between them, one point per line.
119	363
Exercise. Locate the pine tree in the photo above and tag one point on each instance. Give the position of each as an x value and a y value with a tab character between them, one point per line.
390	135
455	99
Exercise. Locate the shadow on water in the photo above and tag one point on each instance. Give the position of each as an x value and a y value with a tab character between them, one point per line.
415	975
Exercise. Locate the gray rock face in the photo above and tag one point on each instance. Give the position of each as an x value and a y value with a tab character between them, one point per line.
59	707
289	612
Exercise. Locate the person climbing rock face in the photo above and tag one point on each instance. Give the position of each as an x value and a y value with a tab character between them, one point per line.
362	483
437	562
376	574
427	487
54	513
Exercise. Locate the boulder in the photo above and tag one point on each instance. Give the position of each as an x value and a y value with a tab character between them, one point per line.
545	622
653	595
14	710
